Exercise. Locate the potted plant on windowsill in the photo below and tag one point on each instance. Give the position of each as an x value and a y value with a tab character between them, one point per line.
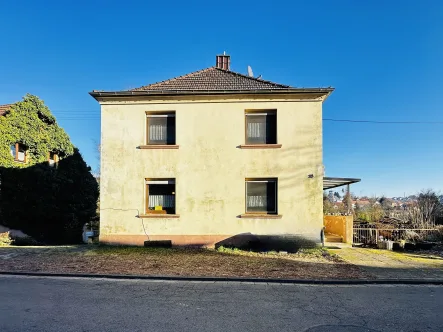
157	210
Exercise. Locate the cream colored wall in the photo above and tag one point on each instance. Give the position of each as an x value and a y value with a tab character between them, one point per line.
210	169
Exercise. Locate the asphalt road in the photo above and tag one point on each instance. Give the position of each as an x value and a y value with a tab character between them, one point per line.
80	305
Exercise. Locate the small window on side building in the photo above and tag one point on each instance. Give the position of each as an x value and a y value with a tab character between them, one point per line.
53	159
18	151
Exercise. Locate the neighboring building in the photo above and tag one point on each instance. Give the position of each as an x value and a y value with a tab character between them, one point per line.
4	109
361	203
46	188
18	149
211	156
338	205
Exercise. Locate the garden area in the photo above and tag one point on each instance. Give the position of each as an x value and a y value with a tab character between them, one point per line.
96	259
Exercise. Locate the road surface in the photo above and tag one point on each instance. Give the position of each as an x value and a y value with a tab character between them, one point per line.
80	305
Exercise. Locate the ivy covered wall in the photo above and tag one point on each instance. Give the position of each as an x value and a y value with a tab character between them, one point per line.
48	203
31	123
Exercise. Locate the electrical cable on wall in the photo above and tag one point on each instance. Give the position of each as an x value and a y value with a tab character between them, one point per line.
138	216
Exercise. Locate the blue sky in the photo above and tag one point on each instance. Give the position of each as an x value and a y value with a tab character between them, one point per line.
383	57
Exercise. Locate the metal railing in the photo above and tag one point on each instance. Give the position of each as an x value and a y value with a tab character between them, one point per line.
372	235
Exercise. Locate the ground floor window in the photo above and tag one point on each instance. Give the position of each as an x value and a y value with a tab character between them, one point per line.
261	196
160	196
53	159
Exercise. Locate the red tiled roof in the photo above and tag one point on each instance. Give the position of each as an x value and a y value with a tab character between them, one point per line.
361	202
4	108
212	79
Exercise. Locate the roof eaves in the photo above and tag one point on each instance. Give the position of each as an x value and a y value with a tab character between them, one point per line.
330	182
95	94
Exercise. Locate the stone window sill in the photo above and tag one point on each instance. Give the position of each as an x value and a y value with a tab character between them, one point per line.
158	146
159	216
260	146
260	216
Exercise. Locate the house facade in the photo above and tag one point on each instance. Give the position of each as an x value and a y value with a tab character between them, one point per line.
211	156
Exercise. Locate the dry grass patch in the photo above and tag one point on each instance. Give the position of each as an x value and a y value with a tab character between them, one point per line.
306	264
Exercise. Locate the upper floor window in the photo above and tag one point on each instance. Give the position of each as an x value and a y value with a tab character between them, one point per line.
161	128
18	151
261	127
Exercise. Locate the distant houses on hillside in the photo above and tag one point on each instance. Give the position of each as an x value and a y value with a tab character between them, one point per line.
396	203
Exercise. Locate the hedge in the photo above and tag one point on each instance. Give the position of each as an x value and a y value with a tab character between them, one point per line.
48	203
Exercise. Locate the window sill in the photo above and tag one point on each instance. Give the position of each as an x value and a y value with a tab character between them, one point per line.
260	146
158	216
159	146
260	216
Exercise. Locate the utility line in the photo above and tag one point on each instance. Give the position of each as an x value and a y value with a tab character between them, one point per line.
92	117
385	122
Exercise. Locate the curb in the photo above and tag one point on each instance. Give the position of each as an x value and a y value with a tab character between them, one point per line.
234	279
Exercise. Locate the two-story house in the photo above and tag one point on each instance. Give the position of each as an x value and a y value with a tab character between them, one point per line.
210	156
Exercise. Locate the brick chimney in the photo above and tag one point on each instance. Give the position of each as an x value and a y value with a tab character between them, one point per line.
223	61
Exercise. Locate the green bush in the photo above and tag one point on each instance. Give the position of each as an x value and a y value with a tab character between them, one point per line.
5	239
25	241
439	235
31	123
50	204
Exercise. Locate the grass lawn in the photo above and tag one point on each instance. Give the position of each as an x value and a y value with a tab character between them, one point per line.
306	264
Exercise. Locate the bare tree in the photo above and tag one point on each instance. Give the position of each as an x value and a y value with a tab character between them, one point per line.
386	204
373	212
328	207
347	202
97	148
425	211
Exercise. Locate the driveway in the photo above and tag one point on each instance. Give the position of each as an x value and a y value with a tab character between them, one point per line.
76	304
385	264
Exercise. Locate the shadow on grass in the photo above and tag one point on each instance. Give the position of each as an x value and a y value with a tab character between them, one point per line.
264	243
423	256
48	203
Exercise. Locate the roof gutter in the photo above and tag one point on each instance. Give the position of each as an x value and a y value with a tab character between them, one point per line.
97	94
